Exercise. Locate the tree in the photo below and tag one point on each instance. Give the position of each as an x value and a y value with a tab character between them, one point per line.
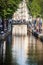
35	7
8	7
41	4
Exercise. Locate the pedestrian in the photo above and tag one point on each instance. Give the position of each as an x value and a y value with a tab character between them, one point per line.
37	24
34	23
40	25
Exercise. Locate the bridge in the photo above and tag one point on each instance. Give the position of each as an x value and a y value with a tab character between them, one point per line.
19	27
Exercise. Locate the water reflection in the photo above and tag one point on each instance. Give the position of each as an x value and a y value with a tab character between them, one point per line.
8	54
35	52
27	50
2	51
21	50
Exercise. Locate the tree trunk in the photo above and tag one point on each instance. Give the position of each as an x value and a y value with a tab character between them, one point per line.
4	24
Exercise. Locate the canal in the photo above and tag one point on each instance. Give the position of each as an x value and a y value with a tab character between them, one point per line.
21	50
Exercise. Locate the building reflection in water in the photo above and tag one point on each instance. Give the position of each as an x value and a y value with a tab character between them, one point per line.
2	51
21	50
35	52
27	50
8	54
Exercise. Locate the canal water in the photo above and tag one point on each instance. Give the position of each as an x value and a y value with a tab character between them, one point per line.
21	50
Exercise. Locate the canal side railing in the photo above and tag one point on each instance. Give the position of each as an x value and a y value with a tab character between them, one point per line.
35	34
